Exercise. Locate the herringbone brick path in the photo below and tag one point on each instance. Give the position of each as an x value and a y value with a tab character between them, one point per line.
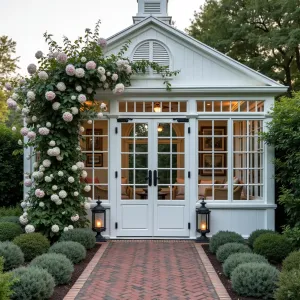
154	270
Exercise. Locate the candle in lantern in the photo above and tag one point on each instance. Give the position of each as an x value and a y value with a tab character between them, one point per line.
98	222
203	226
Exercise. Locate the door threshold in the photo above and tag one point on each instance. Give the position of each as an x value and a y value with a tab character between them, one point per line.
151	238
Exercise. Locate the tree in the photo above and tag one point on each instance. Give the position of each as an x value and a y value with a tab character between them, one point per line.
263	35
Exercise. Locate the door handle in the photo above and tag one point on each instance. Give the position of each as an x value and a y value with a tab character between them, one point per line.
149	178
155	178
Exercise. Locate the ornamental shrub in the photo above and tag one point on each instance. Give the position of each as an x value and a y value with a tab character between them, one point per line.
12	254
84	236
58	265
254	280
224	237
293	234
288	286
13	219
256	233
11	171
8	231
74	251
32	244
292	261
274	247
10	211
32	284
226	250
236	259
6	281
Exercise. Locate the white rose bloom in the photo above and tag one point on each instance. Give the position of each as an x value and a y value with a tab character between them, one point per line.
101	70
87	205
35	175
50	152
119	88
81	98
74	110
87	188
73	97
66	229
102	78
84	174
71	179
48	179
42	168
55	105
44	131
100	115
108	74
71	227
83	59
75	218
80	165
34	119
26	196
52	143
59	158
25	214
15	96
29	228
25	111
54	187
46	163
114	77
23	204
76	194
41	174
103	106
78	88
89	121
61	86
62	194
78	148
55	228
58	202
31	95
51	175
35	165
60	173
89	90
54	197
41	204
23	220
79	72
74	168
81	129
48	124
43	75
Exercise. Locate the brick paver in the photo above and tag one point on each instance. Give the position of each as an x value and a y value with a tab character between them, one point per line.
149	269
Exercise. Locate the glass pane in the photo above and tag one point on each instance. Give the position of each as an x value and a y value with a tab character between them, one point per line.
164	177
225	106
101	127
178	145
126	130
141	176
141	145
183	106
100	191
200	106
130	106
177	130
165	147
141	129
141	192
166	130
178	161
178	192
217	106
141	161
127	176
208	106
101	176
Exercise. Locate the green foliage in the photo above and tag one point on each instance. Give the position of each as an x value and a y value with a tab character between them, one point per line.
263	35
6	281
288	286
236	259
32	244
12	219
32	284
226	250
10	211
224	237
254	280
86	237
292	261
58	265
8	231
11	171
12	254
293	234
74	251
255	234
273	246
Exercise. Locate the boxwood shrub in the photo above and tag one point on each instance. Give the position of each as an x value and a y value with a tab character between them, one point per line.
274	247
226	250
84	236
32	284
288	286
74	251
12	254
254	280
6	281
13	219
292	261
58	265
256	233
32	244
224	237
236	259
8	231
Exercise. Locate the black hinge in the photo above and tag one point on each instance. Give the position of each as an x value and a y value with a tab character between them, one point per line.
189	225
116	225
182	120
116	174
123	120
116	130
189	174
189	130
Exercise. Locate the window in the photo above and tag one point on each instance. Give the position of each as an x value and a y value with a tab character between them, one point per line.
144	107
230	106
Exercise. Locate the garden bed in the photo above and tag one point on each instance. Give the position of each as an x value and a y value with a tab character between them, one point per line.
225	281
61	291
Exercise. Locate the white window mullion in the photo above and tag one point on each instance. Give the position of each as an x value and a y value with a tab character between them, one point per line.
230	134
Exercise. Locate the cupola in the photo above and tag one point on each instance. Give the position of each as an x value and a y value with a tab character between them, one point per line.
155	8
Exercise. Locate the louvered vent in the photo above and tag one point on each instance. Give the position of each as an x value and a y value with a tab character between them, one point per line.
160	55
142	53
152	8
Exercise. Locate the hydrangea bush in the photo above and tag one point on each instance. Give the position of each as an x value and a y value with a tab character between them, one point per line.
53	103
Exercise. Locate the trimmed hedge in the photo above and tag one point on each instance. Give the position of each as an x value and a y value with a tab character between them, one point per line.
6	281
288	286
226	250
32	244
13	219
237	259
292	261
255	234
12	254
8	231
86	237
32	284
254	280
224	237
58	265
273	246
10	211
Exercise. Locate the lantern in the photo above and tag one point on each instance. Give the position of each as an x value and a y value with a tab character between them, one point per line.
99	220
202	222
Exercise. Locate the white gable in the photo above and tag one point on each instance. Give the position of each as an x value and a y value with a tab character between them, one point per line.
199	65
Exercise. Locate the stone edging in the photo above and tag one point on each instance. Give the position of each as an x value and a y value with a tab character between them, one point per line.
213	276
73	292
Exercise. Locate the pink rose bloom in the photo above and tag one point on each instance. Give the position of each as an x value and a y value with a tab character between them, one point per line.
90	65
102	42
68	117
70	70
62	57
12	104
27	182
8	86
81	98
44	131
119	88
39	193
31	135
50	95
24	131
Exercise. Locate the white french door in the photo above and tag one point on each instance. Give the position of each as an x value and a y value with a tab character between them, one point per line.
152	194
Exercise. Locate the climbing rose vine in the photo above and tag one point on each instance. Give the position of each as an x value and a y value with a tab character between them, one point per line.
53	103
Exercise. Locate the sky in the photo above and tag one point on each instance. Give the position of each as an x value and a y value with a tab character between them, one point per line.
25	21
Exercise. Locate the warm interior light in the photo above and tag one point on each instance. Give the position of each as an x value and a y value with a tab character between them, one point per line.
98	222
157	107
160	128
203	226
208	104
